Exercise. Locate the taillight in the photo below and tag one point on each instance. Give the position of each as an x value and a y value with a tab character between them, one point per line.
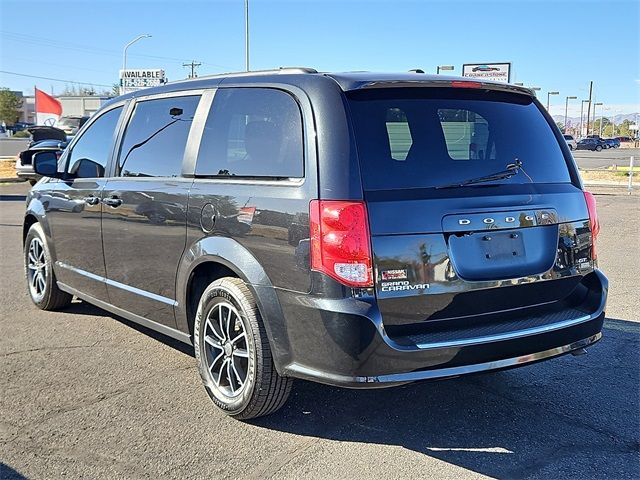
340	241
594	224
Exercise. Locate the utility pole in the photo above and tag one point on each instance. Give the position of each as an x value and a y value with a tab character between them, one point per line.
193	66
246	35
589	106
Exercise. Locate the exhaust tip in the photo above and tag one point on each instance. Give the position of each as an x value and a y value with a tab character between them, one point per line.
578	352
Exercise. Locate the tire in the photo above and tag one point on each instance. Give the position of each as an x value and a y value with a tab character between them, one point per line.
226	349
598	148
41	279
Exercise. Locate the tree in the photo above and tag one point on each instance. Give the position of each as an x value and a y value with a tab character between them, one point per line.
623	129
560	125
10	105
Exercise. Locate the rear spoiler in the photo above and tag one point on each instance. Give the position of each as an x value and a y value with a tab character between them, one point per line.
448	83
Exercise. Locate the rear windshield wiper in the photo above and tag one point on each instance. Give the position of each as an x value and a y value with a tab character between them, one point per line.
510	170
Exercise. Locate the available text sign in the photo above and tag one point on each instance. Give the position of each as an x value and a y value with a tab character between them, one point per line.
500	72
131	80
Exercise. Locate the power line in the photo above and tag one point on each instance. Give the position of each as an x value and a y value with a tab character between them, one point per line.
193	66
55	79
42	41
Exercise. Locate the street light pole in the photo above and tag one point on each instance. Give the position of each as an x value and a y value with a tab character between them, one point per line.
124	57
613	127
549	96
444	68
582	114
566	107
594	114
246	35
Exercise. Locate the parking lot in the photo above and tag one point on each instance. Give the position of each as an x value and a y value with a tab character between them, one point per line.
586	159
84	394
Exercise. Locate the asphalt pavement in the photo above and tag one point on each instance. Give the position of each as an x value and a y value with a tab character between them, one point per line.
586	159
84	394
10	147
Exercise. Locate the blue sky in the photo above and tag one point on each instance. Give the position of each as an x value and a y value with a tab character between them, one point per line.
559	45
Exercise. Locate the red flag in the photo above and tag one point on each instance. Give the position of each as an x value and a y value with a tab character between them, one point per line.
48	109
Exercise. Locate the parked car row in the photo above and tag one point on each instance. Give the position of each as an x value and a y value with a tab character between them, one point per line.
18	127
595	143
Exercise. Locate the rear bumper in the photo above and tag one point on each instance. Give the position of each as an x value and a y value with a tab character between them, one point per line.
343	342
26	171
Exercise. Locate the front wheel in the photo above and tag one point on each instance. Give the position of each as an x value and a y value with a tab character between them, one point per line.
41	280
233	352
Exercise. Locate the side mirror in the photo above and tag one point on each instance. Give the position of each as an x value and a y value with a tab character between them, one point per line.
46	164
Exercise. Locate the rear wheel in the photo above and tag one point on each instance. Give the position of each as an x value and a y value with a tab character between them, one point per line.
41	280
598	148
233	353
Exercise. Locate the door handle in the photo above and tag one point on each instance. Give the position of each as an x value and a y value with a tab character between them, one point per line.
91	200
112	201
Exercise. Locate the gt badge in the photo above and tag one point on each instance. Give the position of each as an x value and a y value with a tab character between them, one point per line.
400	274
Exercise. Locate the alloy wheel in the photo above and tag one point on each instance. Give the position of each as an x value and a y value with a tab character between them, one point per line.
226	349
37	269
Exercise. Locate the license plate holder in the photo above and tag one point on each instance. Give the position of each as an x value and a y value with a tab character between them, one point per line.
500	246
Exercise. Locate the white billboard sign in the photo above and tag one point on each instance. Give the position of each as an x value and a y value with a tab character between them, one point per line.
132	80
500	72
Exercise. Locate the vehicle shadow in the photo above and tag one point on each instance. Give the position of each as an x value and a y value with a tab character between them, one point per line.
8	473
79	307
566	418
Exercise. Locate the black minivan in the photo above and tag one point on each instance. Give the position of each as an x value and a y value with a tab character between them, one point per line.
360	230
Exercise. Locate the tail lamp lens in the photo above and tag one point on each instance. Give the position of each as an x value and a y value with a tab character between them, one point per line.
594	223
340	244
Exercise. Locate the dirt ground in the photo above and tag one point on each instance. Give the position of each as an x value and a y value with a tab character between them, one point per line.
8	168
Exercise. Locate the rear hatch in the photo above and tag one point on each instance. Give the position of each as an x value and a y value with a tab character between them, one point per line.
472	208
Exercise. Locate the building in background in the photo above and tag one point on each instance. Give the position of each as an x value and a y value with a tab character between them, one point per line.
72	105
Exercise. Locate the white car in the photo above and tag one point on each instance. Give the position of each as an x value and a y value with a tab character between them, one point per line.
571	142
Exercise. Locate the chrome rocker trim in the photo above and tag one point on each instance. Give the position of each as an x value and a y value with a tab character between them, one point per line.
158	327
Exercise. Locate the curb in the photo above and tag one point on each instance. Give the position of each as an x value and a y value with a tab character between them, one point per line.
12	180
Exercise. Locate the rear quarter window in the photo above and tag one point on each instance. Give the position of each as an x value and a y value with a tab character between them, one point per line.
252	132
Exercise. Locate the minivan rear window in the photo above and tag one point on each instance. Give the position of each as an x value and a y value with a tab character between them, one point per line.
430	137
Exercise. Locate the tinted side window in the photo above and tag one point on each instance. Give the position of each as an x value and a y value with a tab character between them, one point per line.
466	134
154	142
252	132
399	134
94	146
